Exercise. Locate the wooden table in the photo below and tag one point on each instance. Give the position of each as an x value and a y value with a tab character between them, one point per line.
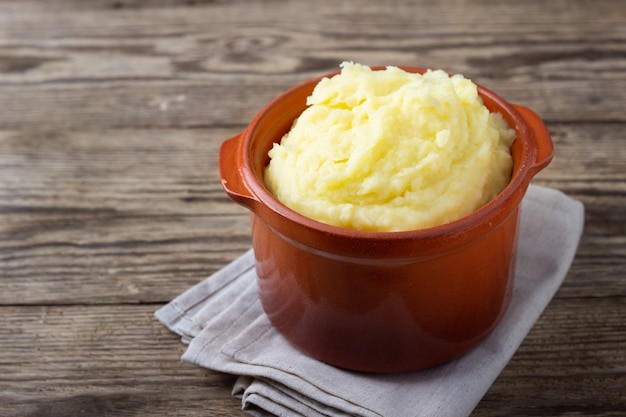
111	114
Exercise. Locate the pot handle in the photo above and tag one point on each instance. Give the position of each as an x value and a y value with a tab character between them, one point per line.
231	173
545	148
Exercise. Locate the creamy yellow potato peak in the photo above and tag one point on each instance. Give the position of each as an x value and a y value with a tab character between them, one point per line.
390	150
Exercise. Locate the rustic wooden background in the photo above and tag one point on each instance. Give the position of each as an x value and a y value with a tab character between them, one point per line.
111	114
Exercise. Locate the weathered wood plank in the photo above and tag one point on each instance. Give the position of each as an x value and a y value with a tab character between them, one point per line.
104	360
88	216
110	359
573	362
106	65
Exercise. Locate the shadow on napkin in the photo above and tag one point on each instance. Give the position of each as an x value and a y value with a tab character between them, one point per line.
223	322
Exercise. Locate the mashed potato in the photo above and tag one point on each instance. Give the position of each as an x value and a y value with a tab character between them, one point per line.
390	150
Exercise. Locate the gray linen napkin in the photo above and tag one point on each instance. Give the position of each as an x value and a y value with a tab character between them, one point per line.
222	321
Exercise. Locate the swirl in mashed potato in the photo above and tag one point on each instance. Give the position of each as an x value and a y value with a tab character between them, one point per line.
390	150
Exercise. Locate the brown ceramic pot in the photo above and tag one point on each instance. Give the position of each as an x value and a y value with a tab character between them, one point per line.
381	301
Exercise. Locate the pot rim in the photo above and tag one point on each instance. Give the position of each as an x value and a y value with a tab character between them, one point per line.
531	161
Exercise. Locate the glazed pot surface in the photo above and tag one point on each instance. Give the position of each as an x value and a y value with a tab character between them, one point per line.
384	315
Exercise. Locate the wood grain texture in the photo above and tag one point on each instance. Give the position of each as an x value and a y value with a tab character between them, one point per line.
113	216
101	360
111	115
115	66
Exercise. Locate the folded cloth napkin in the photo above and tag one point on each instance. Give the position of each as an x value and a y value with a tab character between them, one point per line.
222	321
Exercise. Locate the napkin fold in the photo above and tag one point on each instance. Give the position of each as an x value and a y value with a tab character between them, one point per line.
222	321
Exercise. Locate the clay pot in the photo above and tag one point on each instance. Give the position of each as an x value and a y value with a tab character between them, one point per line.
381	301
